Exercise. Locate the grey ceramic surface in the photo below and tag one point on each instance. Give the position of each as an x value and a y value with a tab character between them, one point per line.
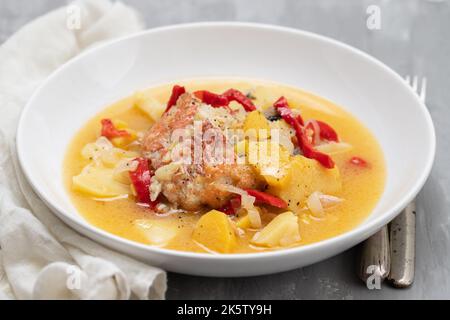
414	39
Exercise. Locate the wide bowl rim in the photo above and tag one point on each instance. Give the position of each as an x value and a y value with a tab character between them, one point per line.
353	236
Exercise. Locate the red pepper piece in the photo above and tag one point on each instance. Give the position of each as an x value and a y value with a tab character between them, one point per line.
213	99
232	206
326	131
141	179
266	198
282	106
223	100
177	91
110	131
300	120
239	97
359	162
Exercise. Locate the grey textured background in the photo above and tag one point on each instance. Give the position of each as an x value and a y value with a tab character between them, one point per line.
414	39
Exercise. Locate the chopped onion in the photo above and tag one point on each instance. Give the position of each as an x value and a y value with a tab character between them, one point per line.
122	196
96	149
316	128
329	201
240	232
126	165
317	202
103	143
285	140
254	217
165	173
334	147
155	189
315	205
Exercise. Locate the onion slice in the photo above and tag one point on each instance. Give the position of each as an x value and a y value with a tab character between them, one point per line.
334	147
316	131
126	165
328	201
317	202
122	196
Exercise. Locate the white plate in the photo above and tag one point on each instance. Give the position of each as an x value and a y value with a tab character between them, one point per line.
351	78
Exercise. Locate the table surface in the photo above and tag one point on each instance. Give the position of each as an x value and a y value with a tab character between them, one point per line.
414	39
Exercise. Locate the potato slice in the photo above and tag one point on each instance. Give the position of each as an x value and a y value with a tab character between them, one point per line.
265	96
149	105
270	159
304	177
256	125
99	181
103	150
157	232
282	231
215	232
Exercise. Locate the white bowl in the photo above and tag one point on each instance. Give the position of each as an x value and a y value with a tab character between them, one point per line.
364	86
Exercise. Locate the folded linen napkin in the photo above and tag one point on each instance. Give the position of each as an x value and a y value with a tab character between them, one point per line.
40	257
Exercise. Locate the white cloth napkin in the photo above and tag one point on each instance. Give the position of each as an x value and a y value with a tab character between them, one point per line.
40	257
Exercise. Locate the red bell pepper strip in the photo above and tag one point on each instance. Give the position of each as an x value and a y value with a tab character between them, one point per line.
232	206
300	120
266	198
282	106
224	99
141	179
213	99
110	131
359	162
177	91
239	97
326	131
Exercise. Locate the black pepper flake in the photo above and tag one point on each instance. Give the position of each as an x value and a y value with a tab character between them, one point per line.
250	96
274	117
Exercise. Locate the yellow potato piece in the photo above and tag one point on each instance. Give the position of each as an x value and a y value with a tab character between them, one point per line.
270	159
99	182
303	178
122	177
149	105
282	231
157	232
265	96
214	231
256	125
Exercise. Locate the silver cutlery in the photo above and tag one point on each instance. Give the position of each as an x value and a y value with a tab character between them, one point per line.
390	253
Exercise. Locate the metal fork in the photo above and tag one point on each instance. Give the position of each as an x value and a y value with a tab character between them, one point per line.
390	253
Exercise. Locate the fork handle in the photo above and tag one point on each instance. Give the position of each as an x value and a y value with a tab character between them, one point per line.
402	234
375	254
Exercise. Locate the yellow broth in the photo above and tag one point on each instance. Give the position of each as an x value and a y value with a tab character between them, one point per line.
361	187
